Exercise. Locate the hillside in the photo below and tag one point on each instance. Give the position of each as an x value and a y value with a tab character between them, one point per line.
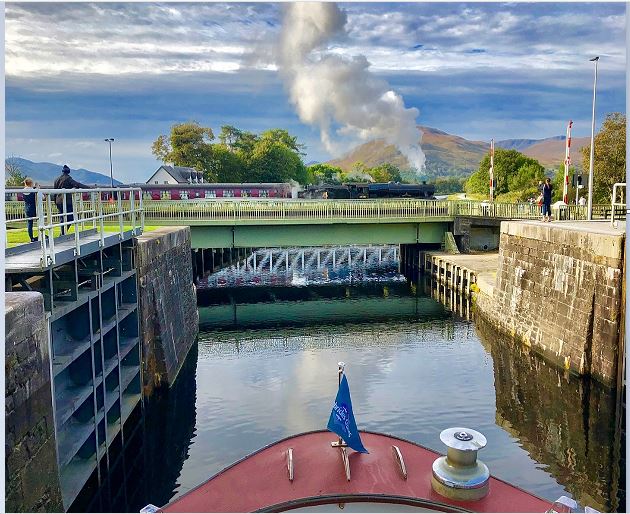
45	173
447	155
550	152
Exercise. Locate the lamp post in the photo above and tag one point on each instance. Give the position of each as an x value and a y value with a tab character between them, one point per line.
589	209
110	140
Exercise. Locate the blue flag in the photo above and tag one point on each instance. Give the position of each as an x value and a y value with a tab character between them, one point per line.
341	420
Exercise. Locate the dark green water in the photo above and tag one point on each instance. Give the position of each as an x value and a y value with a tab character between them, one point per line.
265	368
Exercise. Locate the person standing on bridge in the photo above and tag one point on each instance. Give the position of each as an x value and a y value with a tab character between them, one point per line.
65	181
546	194
29	207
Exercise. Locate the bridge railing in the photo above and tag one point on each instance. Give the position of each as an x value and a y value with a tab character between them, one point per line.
66	210
229	210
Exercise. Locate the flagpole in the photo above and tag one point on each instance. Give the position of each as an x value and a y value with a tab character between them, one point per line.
340	367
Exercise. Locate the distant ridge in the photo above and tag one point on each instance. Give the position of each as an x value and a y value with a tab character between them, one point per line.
522	144
45	173
451	155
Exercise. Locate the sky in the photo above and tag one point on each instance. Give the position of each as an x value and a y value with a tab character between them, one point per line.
77	73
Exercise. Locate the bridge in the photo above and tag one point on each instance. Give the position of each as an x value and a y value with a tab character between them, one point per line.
257	223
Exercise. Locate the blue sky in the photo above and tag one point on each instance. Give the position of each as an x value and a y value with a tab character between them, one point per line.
77	73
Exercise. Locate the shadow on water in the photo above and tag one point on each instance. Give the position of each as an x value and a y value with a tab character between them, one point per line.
563	421
157	450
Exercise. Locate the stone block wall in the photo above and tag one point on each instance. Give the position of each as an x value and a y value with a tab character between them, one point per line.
558	290
32	478
167	303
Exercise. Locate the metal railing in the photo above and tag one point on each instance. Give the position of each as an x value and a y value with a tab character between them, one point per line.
264	210
244	210
66	210
615	204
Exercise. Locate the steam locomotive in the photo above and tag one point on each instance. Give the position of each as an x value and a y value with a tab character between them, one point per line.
371	190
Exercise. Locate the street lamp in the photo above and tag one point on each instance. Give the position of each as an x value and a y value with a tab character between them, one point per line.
110	140
590	170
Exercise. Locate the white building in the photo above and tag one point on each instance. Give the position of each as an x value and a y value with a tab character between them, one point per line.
176	175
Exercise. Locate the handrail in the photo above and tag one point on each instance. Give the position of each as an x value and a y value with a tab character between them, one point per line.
74	212
614	202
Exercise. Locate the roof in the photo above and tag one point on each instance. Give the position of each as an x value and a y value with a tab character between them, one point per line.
182	174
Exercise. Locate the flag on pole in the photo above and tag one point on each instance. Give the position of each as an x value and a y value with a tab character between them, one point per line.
341	420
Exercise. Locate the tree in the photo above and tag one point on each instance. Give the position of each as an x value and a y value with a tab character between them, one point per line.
187	145
272	161
610	157
227	165
282	136
449	185
235	139
13	173
513	171
324	174
385	172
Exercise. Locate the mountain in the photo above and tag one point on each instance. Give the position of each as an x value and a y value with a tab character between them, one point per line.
46	172
550	152
447	155
522	144
450	155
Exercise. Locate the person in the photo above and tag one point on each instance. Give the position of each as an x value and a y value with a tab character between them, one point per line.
546	193
29	207
65	181
325	195
582	201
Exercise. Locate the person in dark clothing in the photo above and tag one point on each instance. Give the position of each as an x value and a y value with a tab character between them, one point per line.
65	181
29	207
546	193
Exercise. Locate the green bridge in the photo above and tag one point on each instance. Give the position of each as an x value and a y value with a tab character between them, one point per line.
247	223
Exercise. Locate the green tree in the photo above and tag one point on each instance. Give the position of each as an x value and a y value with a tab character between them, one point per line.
449	185
324	174
609	159
385	172
283	137
13	173
227	165
237	140
513	171
272	161
187	145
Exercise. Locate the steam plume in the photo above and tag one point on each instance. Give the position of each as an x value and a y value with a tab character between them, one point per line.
327	88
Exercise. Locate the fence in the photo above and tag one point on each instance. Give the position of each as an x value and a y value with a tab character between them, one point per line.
247	210
61	210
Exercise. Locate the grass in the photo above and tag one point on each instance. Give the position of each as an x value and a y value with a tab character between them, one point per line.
17	236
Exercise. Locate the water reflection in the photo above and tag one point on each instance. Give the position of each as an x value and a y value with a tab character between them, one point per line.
266	369
563	421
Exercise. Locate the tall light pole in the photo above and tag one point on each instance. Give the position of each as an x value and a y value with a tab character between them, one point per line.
110	140
590	168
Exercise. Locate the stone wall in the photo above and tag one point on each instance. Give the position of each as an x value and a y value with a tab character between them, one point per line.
558	291
565	422
169	321
32	479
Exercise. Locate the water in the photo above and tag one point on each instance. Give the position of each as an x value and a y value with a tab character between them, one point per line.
266	367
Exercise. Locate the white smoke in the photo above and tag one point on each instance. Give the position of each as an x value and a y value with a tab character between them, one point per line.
326	87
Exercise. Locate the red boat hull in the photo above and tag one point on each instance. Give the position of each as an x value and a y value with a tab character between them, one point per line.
261	481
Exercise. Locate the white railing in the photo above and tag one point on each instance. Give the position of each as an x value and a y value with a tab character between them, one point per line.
264	210
614	201
66	210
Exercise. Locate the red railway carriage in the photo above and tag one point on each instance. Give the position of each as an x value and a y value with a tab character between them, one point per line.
214	190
